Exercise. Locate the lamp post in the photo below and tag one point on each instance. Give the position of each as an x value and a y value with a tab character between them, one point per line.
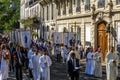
108	30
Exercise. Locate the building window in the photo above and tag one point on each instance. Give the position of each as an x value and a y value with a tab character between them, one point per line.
52	11
87	34
117	2
43	13
58	10
64	9
78	36
47	13
118	33
87	5
71	29
78	6
101	3
70	7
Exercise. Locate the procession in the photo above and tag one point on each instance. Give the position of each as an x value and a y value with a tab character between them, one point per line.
59	39
37	56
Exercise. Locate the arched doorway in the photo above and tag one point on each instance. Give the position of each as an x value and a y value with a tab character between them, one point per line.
102	38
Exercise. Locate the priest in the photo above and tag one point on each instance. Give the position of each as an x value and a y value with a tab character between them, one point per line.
45	63
36	66
112	65
98	63
90	64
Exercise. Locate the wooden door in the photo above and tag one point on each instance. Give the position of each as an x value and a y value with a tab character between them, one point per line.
103	39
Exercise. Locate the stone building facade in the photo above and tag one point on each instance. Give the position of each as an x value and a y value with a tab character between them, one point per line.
91	19
96	22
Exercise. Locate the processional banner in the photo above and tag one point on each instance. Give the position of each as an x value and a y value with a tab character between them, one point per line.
65	38
25	39
58	37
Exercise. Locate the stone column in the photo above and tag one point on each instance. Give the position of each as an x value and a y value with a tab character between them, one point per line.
83	34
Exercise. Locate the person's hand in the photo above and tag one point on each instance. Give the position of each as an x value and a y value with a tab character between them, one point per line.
20	62
45	62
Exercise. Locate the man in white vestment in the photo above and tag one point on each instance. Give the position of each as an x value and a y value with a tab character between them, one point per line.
112	65
36	66
30	54
98	63
90	64
45	63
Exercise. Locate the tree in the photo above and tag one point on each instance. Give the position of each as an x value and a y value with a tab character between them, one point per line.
9	14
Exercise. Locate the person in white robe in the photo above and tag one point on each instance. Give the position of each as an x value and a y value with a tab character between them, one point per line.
63	53
76	54
0	63
36	66
98	63
30	54
90	64
112	65
45	63
5	62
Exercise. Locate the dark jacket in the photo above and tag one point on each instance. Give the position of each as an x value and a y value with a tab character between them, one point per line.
70	66
17	62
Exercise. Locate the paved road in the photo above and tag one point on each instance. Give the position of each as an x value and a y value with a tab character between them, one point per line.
58	72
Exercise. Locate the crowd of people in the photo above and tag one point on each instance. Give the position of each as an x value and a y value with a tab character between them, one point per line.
37	59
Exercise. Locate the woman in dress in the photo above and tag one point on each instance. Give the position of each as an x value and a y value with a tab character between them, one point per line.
5	62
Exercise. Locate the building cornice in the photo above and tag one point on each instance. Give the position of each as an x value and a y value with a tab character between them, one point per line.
89	14
73	16
44	2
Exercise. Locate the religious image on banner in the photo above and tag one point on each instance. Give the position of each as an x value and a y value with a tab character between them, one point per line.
71	39
25	39
65	38
58	37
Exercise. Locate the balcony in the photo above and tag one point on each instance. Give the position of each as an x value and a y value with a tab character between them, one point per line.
33	2
43	2
78	9
87	7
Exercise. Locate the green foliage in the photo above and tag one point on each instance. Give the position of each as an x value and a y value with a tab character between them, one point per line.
34	34
27	22
9	14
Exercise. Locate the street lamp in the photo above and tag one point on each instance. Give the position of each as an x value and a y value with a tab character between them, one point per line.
108	30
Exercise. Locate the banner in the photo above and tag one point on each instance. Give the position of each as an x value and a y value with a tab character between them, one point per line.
19	38
71	39
46	36
58	37
65	38
25	39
